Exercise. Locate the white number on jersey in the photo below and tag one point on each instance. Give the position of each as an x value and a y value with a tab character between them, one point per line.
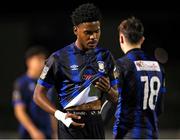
150	90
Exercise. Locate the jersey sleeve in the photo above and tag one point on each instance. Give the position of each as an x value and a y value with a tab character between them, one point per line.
163	87
114	74
160	100
120	69
46	78
17	97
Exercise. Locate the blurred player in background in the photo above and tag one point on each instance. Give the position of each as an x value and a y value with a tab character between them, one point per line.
34	122
142	86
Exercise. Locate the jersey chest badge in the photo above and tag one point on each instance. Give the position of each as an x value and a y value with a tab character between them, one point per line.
101	66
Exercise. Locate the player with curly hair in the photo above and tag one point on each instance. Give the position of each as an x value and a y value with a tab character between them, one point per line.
82	74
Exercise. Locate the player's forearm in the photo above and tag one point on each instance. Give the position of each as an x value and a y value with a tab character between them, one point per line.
42	101
54	127
24	119
113	95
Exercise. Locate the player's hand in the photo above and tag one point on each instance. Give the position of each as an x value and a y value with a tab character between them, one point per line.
54	135
75	124
103	84
37	134
67	119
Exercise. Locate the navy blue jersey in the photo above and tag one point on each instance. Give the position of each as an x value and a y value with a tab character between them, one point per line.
23	94
73	72
140	101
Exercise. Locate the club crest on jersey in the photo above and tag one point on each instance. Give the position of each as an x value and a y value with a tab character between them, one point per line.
101	66
44	72
74	67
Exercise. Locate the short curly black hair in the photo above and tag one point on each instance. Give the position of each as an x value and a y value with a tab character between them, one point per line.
132	28
86	13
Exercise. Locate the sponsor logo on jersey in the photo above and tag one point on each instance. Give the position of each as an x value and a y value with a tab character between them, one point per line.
87	76
88	73
101	66
147	65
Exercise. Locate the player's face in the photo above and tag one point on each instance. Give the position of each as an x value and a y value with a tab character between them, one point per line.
36	63
88	35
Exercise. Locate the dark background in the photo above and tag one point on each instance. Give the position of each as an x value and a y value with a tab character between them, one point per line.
49	24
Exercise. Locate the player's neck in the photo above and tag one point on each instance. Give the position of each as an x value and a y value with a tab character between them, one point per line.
78	45
127	48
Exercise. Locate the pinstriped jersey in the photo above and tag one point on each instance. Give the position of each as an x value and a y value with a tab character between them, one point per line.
73	72
142	87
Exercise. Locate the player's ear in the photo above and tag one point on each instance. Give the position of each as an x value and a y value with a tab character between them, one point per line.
75	30
142	40
121	38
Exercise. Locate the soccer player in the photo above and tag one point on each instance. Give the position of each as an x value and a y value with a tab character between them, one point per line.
142	86
34	122
82	73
